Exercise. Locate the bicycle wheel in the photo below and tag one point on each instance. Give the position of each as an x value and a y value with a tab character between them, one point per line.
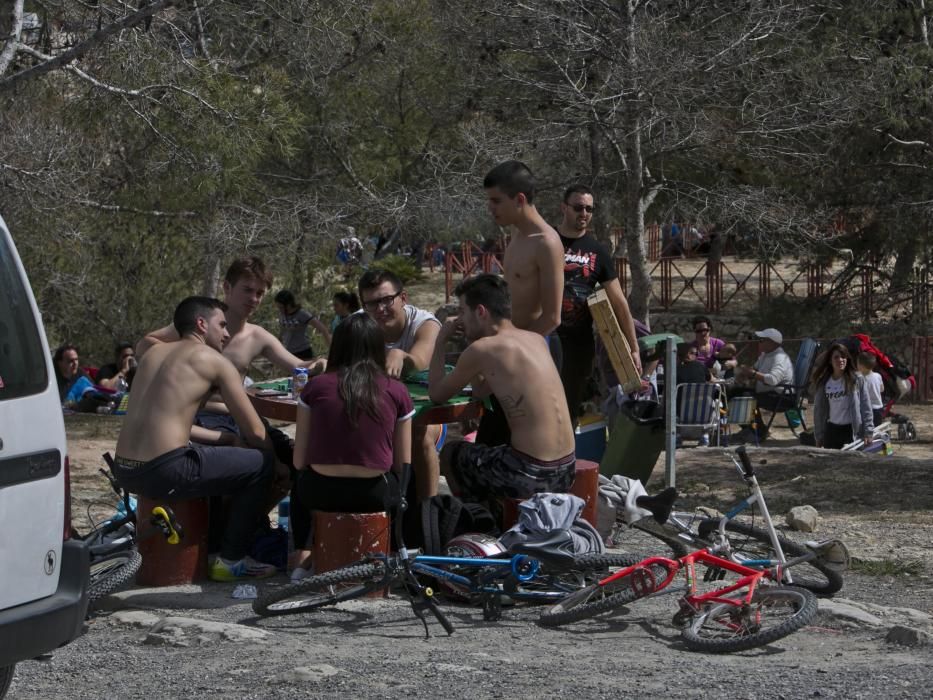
749	542
552	585
646	538
596	599
329	588
774	612
113	573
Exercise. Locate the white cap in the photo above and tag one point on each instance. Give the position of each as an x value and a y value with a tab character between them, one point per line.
771	334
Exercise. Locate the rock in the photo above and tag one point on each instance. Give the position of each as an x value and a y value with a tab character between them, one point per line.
135	618
907	636
847	612
304	674
803	518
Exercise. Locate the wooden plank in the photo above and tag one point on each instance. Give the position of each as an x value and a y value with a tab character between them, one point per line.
620	353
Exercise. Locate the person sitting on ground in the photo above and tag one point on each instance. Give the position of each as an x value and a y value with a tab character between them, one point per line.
874	384
345	303
68	373
841	407
409	333
516	366
154	457
352	434
118	375
706	345
293	326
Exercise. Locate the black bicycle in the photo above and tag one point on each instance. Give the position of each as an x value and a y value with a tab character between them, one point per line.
112	544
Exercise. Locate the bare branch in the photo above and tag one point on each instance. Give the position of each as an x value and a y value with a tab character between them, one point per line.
133	210
78	50
12	43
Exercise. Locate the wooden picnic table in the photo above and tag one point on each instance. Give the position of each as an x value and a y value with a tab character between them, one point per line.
285	408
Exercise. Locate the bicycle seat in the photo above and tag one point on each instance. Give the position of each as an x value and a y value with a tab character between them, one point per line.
556	551
660	504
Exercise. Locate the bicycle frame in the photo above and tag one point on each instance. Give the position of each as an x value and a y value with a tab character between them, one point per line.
522	567
746	472
693	601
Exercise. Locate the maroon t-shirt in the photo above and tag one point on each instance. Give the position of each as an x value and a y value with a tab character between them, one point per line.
333	440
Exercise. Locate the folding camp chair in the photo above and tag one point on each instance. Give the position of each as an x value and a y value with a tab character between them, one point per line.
742	410
790	396
698	407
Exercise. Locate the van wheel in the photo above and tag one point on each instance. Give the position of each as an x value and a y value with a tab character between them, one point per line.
6	677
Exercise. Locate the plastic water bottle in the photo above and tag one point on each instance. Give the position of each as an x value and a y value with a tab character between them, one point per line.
299	380
284	510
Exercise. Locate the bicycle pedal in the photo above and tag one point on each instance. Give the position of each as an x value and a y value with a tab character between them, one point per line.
164	518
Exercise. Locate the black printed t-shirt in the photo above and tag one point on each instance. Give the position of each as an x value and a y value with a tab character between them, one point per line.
587	262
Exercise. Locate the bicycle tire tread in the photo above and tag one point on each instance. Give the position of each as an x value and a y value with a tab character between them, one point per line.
802	617
833	583
367	575
115	579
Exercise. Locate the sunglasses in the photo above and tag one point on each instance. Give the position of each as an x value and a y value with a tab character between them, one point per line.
588	208
381	303
701	330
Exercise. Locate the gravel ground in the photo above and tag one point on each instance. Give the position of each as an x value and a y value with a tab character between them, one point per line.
881	507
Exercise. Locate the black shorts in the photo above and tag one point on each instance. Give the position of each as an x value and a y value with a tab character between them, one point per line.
502	471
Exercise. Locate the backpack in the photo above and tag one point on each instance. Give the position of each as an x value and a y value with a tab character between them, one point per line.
433	522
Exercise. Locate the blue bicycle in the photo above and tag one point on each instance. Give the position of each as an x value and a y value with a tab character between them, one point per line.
543	572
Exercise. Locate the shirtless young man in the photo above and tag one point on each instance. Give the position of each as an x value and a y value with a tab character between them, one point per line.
154	457
246	283
534	257
517	368
409	333
534	269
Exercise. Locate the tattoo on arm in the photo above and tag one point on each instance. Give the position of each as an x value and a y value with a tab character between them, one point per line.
513	406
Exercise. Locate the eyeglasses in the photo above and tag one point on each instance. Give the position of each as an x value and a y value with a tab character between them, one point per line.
588	208
701	330
382	303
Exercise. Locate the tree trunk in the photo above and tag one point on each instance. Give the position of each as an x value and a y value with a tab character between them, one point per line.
211	282
600	223
634	198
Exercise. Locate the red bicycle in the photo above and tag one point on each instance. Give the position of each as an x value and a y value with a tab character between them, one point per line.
744	614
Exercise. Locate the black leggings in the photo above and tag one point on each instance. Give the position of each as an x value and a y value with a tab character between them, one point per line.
577	366
333	494
837	436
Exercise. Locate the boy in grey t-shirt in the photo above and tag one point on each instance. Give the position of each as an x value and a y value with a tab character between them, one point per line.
874	384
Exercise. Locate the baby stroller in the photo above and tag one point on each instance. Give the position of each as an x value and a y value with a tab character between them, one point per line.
897	377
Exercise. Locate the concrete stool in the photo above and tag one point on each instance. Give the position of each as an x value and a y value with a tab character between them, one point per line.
585	486
343	538
167	564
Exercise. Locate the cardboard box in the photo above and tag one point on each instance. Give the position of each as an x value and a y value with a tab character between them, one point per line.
617	347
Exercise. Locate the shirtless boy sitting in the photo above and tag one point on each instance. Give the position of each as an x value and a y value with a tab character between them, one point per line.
517	368
245	284
154	457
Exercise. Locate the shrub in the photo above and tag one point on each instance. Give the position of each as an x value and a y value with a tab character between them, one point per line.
403	267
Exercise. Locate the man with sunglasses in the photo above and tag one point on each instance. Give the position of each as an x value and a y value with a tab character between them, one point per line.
587	263
410	334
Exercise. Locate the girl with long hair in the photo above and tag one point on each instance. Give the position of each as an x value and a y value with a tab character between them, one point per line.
841	408
352	433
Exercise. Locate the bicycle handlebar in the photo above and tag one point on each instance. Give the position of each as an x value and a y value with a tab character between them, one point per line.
746	461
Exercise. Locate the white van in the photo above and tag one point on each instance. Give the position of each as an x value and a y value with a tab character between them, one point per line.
43	571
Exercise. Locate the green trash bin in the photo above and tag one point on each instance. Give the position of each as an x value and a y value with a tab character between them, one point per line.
636	440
